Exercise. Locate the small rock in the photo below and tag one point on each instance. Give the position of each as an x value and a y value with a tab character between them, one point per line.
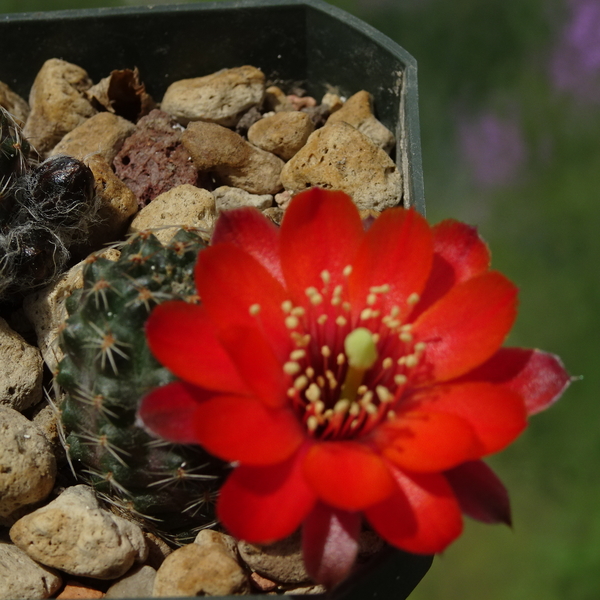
283	133
211	145
13	103
281	562
21	577
232	159
283	199
75	535
209	538
276	100
227	198
262	583
103	135
194	570
117	204
27	464
307	590
153	159
300	102
137	583
57	102
77	591
21	373
184	205
275	214
358	112
332	101
217	98
46	311
339	157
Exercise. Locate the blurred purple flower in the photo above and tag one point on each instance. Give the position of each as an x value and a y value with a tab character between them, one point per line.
493	147
575	63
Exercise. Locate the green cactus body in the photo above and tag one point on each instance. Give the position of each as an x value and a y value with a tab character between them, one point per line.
106	370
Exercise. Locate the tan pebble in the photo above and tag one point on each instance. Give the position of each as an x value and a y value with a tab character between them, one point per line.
300	102
103	134
211	145
276	100
339	157
217	98
262	583
13	103
332	101
283	133
57	103
358	112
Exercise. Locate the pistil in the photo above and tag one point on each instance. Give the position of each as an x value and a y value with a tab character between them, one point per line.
361	354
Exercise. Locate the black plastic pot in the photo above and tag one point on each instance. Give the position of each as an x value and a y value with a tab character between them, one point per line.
304	42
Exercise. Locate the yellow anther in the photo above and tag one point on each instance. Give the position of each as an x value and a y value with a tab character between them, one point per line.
412	360
371	299
407	327
406	337
301	382
286	306
297	354
380	289
391	415
347	270
413	298
371	409
322	319
361	389
341	321
383	394
254	309
347	306
291	368
387	362
337	290
310	372
354	409
298	311
400	379
420	346
326	277
312	423
319	406
366	399
326	351
313	393
321	381
316	299
291	392
331	379
341	406
366	314
292	322
341	358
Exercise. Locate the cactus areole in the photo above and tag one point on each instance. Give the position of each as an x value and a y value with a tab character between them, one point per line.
350	374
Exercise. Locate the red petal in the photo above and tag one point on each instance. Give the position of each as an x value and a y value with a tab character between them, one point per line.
459	255
480	493
347	475
397	251
467	326
171	412
250	230
321	231
184	339
427	441
539	377
237	291
237	428
330	544
497	415
265	504
257	364
422	516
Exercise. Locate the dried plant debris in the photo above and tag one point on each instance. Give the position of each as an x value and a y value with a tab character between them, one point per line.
122	93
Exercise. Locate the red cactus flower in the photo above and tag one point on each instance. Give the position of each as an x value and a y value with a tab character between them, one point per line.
348	375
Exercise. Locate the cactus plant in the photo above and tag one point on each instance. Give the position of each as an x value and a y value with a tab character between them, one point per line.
107	368
44	209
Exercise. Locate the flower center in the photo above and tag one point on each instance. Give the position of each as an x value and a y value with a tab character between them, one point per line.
349	366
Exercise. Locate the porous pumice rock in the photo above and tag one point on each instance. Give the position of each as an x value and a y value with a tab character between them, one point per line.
117	204
13	103
75	535
27	463
21	371
137	583
217	98
281	562
340	157
21	577
283	133
184	205
197	570
57	103
276	100
103	135
234	161
358	112
227	197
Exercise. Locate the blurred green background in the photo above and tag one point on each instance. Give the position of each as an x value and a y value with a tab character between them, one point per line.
510	126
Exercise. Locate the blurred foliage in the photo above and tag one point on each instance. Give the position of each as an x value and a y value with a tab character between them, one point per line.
479	57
